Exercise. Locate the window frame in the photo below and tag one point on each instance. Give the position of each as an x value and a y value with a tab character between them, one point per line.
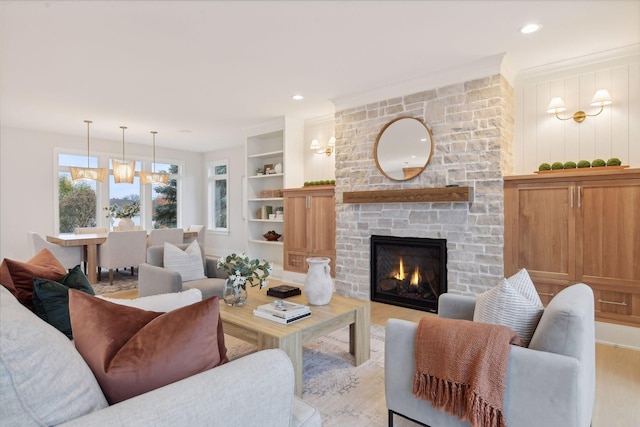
212	178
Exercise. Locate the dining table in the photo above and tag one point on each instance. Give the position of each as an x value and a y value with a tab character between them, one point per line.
91	243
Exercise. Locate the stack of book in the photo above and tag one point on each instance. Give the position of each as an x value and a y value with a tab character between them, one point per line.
282	311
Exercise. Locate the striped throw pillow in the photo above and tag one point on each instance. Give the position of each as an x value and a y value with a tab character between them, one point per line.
188	262
513	303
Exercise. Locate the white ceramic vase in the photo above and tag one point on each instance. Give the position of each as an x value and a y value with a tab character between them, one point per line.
318	286
126	224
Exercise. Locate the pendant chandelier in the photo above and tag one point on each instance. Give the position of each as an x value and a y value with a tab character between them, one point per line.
95	174
154	177
123	171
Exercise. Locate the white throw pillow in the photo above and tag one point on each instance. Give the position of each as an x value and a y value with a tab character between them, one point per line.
188	262
160	303
514	303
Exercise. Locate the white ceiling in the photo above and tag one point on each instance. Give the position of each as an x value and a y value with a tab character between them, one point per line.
201	72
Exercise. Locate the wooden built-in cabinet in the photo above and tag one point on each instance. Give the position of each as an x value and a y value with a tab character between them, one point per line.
309	226
578	227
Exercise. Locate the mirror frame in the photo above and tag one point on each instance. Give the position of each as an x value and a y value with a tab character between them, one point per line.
379	137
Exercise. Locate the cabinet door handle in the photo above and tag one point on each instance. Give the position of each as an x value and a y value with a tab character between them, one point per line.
572	190
308	202
546	294
579	197
624	304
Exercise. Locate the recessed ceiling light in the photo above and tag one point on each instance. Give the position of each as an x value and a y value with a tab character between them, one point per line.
530	28
297	97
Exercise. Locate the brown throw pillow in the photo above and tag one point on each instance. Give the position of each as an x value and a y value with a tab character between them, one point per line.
18	276
132	351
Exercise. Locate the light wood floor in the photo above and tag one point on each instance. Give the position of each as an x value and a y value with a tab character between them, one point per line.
617	371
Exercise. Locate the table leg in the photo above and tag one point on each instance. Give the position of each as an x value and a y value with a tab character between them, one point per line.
360	336
292	345
92	263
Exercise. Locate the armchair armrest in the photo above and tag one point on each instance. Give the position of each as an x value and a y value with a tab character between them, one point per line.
153	280
211	398
453	306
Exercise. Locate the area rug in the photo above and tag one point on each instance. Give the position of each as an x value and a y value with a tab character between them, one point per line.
345	395
122	281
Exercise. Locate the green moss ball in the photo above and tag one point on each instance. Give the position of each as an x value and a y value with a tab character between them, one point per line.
597	163
544	167
614	161
557	165
584	164
570	165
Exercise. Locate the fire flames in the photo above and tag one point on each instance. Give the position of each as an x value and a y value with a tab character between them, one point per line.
400	275
415	277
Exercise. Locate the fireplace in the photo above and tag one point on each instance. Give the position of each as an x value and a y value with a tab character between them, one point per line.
408	271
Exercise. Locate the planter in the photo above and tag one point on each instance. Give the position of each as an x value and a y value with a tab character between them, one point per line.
233	295
126	224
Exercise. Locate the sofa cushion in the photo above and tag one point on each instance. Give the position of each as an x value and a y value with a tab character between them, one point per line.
161	302
43	379
18	276
132	351
514	303
51	298
187	262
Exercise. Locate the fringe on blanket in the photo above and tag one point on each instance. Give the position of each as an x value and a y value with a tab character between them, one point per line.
458	400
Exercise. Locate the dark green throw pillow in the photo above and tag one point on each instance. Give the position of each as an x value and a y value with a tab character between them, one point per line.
51	298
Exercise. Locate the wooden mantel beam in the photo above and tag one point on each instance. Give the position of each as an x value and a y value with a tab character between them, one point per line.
441	194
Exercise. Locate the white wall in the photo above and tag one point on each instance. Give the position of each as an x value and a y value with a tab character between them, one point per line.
319	167
236	240
27	182
540	137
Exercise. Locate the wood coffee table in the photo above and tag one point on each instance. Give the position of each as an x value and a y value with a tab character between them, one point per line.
240	322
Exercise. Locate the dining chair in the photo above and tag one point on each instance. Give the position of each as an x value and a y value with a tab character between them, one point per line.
122	249
69	256
158	236
200	229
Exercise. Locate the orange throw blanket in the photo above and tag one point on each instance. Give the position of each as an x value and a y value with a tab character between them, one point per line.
462	368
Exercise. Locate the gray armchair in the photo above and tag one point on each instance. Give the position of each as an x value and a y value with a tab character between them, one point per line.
154	279
551	383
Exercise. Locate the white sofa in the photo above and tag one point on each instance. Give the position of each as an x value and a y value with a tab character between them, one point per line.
45	381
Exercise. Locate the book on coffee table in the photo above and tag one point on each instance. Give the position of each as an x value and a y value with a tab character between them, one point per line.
282	320
283	291
283	309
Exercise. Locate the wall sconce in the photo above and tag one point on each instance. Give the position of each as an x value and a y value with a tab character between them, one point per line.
315	146
600	99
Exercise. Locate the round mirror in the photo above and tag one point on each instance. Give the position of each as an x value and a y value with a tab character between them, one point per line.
403	148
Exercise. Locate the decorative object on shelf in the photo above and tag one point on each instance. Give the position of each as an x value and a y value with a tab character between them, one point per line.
318	285
570	166
403	148
323	182
241	270
123	171
600	99
268	169
278	167
124	213
268	194
88	173
328	150
259	171
271	235
154	177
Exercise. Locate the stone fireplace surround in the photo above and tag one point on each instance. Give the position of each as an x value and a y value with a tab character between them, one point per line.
472	125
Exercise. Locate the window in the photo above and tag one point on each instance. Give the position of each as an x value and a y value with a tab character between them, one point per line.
81	203
164	198
77	201
218	184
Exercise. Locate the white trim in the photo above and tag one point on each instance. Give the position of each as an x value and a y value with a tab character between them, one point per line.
618	335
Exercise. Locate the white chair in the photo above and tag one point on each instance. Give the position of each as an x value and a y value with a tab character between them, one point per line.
122	249
135	228
69	256
175	236
200	229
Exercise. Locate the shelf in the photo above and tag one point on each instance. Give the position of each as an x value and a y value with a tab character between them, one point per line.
441	194
269	175
267	242
266	155
266	220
